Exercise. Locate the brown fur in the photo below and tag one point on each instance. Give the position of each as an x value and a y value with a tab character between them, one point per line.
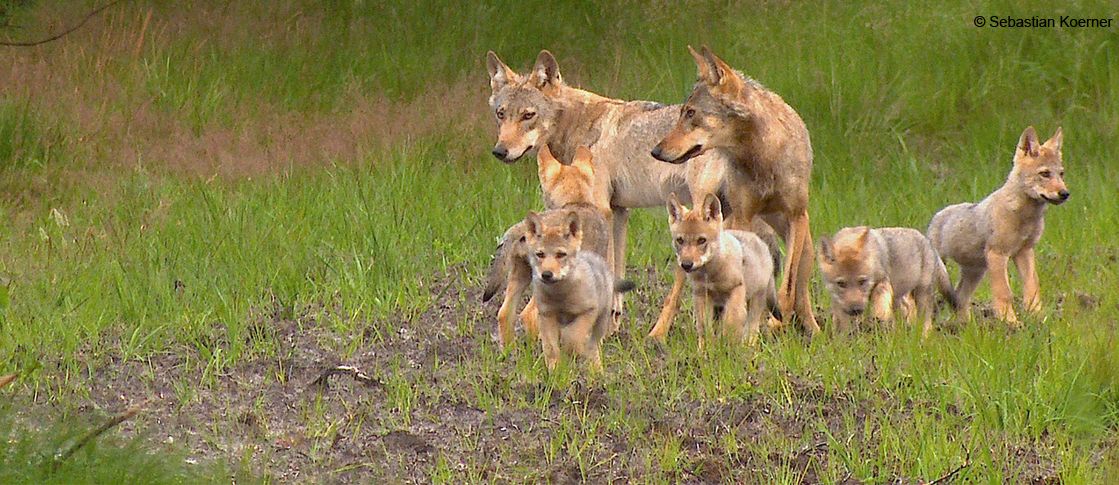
770	158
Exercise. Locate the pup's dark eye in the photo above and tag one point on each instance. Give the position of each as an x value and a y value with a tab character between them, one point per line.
841	283
701	241
501	114
1062	173
1045	174
528	116
862	281
540	254
680	241
688	113
561	255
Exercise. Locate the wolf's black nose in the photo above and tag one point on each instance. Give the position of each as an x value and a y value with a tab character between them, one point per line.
687	265
1063	194
546	276
500	152
656	153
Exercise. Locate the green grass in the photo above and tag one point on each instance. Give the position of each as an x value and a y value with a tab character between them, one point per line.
910	108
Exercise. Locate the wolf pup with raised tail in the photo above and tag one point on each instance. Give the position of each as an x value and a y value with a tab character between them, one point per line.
984	237
879	269
573	288
732	272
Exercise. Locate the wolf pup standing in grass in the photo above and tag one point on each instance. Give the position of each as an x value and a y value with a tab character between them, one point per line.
1006	225
770	162
881	268
569	187
573	289
732	272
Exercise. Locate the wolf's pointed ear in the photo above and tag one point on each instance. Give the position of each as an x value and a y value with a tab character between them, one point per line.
500	74
675	212
1054	142
827	253
863	238
546	71
546	164
1027	143
712	209
726	81
574	228
584	160
704	68
532	225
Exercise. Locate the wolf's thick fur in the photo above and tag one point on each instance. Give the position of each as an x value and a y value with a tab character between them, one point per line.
573	289
769	154
880	268
732	272
539	109
1006	225
568	187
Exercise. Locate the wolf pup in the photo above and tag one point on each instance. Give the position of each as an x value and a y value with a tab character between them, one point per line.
769	156
573	289
1006	225
568	187
732	272
880	268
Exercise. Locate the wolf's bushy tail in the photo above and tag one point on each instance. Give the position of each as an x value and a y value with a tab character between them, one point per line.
944	284
624	286
501	262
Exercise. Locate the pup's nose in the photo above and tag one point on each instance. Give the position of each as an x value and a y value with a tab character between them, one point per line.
1063	194
687	265
854	312
656	153
547	276
500	152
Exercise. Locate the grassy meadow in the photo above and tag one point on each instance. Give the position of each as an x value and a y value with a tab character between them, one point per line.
206	205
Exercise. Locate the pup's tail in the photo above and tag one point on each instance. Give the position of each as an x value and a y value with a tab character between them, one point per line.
944	284
624	286
771	302
501	261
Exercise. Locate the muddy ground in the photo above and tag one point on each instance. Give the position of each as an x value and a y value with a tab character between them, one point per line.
352	424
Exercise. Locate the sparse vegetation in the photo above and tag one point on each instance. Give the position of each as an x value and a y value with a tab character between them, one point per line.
208	205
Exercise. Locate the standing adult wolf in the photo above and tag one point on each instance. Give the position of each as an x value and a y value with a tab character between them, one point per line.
770	162
539	109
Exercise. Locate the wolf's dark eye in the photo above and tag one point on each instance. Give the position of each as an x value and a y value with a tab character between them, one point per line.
1045	174
701	241
862	281
679	241
841	283
688	113
561	255
1062	173
501	114
528	116
540	254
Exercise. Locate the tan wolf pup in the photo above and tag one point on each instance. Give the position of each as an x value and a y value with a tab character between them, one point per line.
770	162
1006	225
882	267
569	187
732	272
539	109
573	289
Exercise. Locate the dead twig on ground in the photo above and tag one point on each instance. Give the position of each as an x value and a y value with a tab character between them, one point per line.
952	474
65	452
323	380
62	34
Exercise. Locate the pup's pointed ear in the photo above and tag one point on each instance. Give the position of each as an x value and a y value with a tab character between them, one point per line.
574	228
726	81
500	74
532	225
712	209
546	71
863	238
1027	144
705	69
1054	142
547	165
675	212
584	160
827	253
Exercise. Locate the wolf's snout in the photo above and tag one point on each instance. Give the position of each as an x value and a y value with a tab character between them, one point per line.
687	265
1063	194
854	312
500	152
657	154
547	276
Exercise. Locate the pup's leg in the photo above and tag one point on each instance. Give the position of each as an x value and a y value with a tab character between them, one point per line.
970	276
514	286
841	320
882	304
550	340
924	308
580	335
1031	288
1000	288
702	310
529	317
671	305
755	308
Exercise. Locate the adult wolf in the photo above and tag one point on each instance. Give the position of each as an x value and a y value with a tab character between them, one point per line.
539	109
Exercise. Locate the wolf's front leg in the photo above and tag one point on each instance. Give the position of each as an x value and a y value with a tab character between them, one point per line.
1031	288
1000	287
550	339
671	305
882	303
